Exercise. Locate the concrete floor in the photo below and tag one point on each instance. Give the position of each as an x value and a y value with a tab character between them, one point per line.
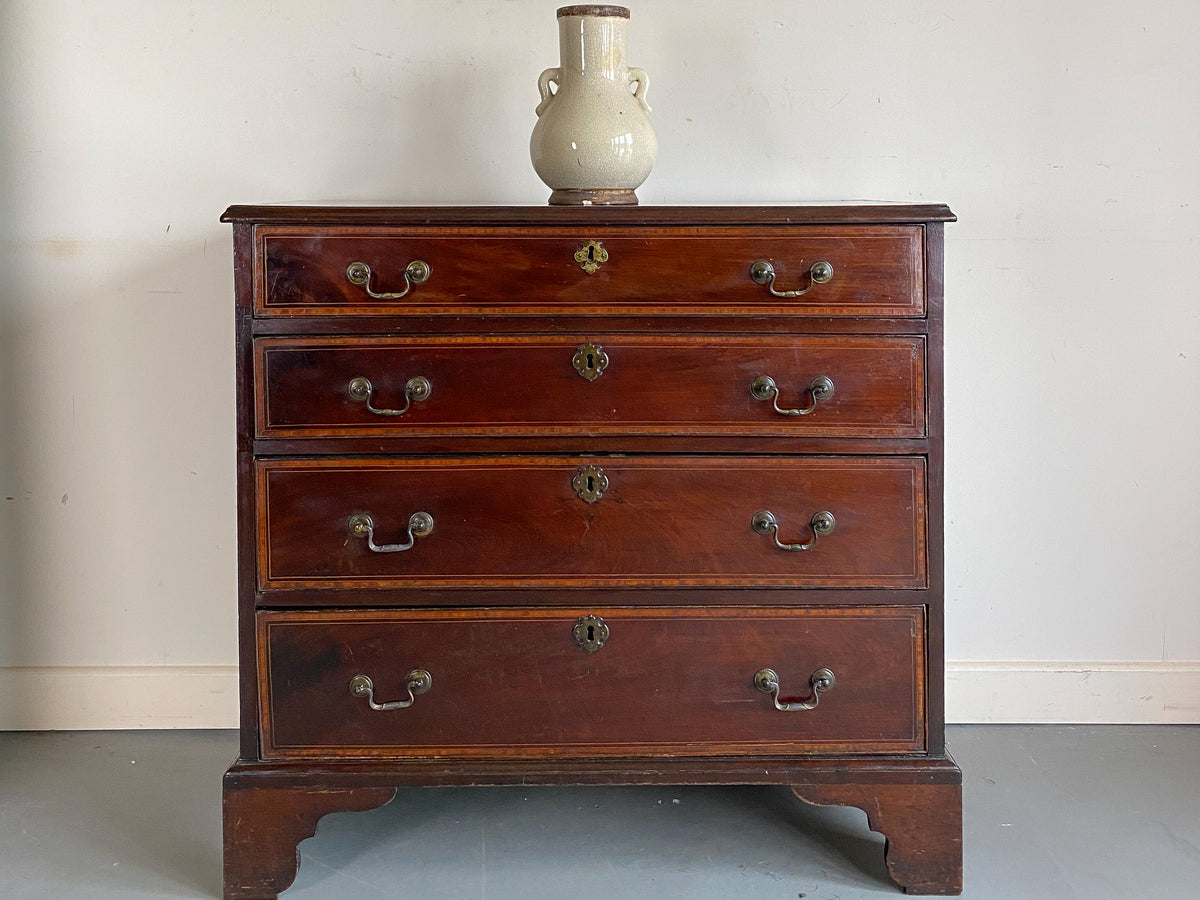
1050	812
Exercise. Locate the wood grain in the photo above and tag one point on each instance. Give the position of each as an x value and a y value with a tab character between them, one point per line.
922	824
877	271
651	385
667	682
664	521
264	824
269	807
667	555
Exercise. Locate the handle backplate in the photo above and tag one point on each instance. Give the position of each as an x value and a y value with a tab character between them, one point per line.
416	388
819	682
764	522
762	272
420	524
418	681
820	388
416	272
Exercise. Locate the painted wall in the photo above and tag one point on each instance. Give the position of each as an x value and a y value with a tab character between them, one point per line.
1066	136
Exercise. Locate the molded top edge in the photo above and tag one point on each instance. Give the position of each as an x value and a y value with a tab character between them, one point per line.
547	216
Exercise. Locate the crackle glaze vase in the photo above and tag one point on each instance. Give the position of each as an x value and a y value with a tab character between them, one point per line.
593	142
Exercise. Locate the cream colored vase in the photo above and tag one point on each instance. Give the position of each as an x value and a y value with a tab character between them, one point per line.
593	142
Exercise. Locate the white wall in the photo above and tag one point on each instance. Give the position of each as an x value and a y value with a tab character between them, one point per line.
1066	136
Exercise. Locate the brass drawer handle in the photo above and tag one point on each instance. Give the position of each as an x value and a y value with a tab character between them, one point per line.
764	388
362	525
416	272
820	681
418	681
416	388
762	272
764	522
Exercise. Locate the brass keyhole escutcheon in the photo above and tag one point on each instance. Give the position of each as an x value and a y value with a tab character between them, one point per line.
591	255
590	361
590	633
590	483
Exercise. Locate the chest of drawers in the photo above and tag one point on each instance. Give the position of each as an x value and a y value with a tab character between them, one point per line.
598	495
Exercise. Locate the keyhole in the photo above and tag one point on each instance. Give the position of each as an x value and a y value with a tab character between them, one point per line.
591	362
591	635
591	253
591	486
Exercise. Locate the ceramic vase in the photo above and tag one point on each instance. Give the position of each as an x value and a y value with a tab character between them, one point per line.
593	142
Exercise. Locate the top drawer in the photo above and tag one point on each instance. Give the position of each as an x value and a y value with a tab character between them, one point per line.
310	271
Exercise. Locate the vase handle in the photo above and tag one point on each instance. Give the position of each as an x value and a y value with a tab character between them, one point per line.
544	87
643	85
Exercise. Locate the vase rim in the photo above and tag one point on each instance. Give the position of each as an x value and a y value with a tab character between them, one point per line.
612	12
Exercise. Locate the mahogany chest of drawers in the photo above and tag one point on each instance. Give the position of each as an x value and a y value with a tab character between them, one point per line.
592	495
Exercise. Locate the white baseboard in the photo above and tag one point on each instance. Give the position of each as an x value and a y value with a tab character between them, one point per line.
1141	693
86	698
78	698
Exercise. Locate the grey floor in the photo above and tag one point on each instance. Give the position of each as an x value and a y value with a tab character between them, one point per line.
1050	812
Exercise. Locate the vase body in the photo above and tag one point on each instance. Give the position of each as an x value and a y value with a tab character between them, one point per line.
593	142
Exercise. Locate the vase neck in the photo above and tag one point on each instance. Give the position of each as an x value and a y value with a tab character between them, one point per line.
592	46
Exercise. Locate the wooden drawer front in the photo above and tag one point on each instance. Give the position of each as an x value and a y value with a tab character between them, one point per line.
656	385
667	681
877	271
662	521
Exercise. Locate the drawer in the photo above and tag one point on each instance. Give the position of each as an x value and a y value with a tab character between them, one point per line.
876	271
591	521
607	384
516	683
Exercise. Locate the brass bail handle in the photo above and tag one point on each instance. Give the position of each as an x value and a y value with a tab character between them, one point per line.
420	524
416	272
416	388
418	681
820	389
764	522
762	272
819	682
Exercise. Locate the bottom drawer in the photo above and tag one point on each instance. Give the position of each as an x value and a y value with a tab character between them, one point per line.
517	682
